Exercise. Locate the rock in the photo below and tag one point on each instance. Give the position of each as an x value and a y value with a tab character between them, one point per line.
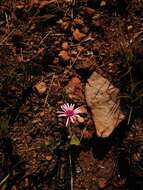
80	119
130	27
64	55
42	114
77	35
74	90
83	109
35	121
40	87
102	183
87	134
87	11
102	98
85	63
103	3
49	157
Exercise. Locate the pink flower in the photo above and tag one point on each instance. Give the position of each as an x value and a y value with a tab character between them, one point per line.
69	112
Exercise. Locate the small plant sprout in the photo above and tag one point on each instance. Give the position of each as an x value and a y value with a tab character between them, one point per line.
69	112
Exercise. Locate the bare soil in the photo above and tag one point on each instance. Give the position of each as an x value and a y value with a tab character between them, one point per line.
38	43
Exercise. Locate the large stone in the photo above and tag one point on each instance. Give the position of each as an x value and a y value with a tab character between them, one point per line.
102	98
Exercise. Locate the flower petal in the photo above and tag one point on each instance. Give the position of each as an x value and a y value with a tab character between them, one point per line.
68	105
77	110
72	106
62	115
63	107
72	119
60	112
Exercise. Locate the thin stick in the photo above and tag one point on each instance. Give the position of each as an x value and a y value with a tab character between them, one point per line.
6	37
130	114
44	37
49	91
4	180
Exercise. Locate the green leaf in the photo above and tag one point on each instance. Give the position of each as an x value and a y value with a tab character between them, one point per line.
74	140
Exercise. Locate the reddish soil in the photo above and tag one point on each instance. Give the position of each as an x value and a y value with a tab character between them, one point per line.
60	43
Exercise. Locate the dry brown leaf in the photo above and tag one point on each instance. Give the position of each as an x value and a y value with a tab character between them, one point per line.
77	35
64	25
79	21
65	46
64	55
40	87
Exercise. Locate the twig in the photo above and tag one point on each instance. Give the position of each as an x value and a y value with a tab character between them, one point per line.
130	114
4	180
45	102
73	5
6	37
44	38
6	17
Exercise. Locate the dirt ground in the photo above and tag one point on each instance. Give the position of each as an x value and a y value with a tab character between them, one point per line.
58	44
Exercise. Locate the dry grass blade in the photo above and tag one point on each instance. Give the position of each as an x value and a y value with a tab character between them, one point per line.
48	91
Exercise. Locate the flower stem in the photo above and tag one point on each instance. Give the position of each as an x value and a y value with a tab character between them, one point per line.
71	174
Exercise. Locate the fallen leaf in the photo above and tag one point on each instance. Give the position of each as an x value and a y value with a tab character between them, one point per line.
77	35
64	25
64	55
65	45
74	140
40	87
79	21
